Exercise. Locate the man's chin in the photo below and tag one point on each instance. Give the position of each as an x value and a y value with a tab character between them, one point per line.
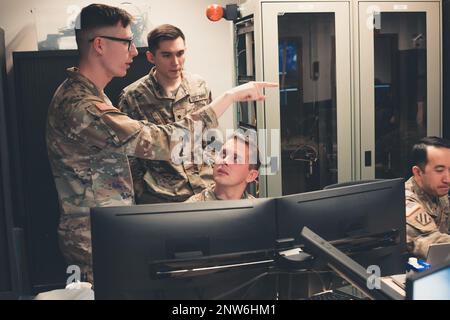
122	73
221	179
174	75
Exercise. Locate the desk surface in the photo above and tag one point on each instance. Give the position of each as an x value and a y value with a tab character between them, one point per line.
393	284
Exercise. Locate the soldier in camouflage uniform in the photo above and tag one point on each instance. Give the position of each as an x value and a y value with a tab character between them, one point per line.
427	203
88	139
167	94
236	166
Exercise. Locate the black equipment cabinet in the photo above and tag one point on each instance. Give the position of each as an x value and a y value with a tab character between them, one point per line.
8	266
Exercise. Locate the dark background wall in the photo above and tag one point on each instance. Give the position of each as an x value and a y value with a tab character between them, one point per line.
37	75
8	275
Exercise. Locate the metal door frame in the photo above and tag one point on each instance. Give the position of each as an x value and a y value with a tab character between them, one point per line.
364	72
271	185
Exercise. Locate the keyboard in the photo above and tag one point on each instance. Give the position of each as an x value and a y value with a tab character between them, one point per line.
330	295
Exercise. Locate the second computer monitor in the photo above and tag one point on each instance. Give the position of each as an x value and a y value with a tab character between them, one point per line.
375	210
432	284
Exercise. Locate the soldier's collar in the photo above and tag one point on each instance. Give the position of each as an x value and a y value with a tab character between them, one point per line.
74	73
213	193
245	195
183	89
160	92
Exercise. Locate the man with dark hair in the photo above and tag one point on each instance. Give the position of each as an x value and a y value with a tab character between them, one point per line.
167	94
88	139
236	166
427	203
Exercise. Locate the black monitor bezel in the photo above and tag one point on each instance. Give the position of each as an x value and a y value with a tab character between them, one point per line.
261	257
398	236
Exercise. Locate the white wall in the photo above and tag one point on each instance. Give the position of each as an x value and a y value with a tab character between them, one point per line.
210	45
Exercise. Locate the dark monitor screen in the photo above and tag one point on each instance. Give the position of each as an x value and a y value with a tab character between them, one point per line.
182	250
346	267
433	284
366	221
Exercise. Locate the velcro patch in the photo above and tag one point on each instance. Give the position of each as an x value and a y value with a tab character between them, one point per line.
423	218
105	107
412	207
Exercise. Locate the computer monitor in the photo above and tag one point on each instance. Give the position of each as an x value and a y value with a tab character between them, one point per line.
184	250
433	284
366	221
347	268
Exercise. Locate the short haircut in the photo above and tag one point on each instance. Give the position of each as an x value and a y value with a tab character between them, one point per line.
97	16
252	147
162	33
419	150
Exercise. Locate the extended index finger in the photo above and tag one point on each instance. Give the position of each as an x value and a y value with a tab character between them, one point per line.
265	84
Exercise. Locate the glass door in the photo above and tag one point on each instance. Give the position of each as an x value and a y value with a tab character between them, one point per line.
306	49
400	83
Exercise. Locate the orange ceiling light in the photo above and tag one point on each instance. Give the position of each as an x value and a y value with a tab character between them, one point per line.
214	12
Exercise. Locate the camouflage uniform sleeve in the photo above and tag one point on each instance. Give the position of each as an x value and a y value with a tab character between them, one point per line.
130	107
421	230
105	127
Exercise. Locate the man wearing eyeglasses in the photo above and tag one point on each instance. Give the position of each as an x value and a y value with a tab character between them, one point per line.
88	139
167	94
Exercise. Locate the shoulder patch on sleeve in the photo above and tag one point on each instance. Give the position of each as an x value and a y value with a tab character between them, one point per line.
423	218
412	207
105	107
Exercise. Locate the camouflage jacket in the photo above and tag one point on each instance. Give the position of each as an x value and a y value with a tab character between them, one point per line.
427	219
165	181
88	141
209	195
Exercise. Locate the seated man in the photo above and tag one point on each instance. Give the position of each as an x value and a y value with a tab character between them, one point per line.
236	165
427	203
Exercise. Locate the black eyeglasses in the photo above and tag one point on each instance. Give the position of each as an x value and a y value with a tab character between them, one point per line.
129	41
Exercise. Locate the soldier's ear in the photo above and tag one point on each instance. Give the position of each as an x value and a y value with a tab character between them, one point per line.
252	175
150	57
97	44
417	172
